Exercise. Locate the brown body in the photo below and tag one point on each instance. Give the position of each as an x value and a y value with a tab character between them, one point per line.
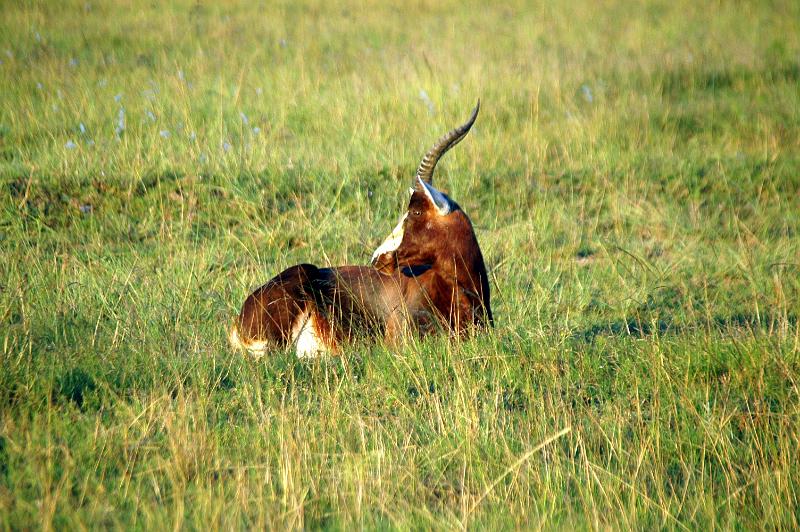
429	275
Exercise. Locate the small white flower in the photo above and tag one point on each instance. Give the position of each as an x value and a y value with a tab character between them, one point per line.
70	145
226	146
118	97
256	130
427	101
82	128
39	85
151	116
73	62
243	117
120	122
103	82
192	135
259	91
164	133
587	93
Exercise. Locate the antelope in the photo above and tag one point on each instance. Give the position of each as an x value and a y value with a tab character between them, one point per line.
427	275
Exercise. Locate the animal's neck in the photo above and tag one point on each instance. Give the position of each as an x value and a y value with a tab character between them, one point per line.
463	263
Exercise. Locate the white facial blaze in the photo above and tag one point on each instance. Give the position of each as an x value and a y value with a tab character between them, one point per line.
438	199
392	241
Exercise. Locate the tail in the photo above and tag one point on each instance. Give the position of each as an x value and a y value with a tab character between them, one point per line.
256	348
233	337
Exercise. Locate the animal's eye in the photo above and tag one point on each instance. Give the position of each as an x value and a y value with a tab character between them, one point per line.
416	212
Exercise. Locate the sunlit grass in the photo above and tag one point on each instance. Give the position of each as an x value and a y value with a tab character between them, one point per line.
633	178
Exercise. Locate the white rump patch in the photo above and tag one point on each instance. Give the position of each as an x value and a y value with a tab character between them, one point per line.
308	342
392	241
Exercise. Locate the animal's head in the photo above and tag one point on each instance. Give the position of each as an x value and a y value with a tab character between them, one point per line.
434	226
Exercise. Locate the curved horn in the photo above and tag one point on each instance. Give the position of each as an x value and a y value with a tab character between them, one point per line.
425	170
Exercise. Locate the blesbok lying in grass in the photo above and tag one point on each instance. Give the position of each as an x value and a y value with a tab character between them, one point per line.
427	275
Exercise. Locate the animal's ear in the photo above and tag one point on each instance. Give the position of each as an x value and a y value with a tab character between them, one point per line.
436	198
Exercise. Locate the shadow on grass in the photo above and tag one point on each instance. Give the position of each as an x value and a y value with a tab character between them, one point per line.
688	79
638	328
75	386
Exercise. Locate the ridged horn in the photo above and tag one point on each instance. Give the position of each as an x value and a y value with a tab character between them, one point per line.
425	170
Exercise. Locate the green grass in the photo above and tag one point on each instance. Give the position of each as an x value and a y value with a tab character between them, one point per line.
634	179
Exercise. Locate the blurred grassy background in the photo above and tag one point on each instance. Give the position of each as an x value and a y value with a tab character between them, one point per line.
634	179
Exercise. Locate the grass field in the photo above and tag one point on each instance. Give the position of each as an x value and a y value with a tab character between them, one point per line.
634	180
